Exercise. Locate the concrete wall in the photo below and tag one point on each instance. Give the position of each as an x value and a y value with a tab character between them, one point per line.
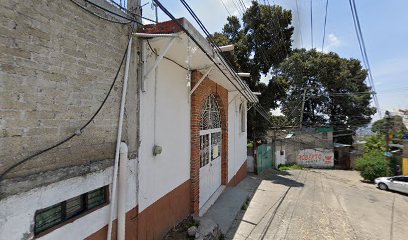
237	140
57	62
167	125
17	211
306	139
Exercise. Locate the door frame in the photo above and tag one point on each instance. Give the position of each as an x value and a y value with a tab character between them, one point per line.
198	98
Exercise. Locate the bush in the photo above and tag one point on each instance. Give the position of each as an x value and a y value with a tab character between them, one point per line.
285	167
373	165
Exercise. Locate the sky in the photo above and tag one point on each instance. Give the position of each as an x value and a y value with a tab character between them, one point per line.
384	26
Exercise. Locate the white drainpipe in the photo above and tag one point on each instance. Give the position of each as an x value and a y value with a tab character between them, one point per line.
122	187
118	141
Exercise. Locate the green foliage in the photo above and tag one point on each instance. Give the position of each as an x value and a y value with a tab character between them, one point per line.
394	123
375	142
336	92
393	165
285	167
372	165
278	120
246	204
261	43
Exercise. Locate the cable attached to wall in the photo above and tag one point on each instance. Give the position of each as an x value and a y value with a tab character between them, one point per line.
97	15
77	132
121	16
171	60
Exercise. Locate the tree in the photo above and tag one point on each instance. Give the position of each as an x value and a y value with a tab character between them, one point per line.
375	142
373	165
395	124
336	92
261	43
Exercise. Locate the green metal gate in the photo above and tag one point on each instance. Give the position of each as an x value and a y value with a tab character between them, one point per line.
264	158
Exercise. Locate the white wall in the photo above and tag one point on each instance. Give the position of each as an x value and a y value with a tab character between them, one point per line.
17	212
160	174
237	140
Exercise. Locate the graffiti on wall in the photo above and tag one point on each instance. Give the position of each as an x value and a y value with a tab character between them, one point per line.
318	157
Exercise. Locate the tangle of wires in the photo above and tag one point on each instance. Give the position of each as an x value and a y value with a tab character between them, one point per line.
257	106
130	19
80	130
99	16
249	97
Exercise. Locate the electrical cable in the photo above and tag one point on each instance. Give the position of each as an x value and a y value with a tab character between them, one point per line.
243	5
300	25
171	60
363	50
259	107
106	19
218	50
325	23
78	132
287	53
118	15
226	8
311	21
236	6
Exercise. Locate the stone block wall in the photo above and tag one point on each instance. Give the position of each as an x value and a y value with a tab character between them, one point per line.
57	63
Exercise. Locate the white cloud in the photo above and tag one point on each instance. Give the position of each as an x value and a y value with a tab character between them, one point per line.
277	112
332	42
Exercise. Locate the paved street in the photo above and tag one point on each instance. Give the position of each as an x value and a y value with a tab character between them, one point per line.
321	204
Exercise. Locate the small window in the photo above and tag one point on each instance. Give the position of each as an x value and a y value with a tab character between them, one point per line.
325	135
242	115
59	213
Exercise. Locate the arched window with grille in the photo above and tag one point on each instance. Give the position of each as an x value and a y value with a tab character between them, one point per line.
242	117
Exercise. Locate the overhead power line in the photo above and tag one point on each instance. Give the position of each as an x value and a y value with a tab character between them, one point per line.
119	15
325	23
256	106
249	97
363	51
225	6
300	25
311	21
237	7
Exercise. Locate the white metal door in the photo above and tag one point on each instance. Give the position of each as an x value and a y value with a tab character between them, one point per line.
210	150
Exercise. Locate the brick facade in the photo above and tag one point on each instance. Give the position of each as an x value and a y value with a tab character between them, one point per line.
198	98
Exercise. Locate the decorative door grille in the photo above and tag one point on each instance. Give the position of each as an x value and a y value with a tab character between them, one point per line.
210	131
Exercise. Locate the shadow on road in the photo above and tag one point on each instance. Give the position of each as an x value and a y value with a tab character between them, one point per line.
282	177
285	181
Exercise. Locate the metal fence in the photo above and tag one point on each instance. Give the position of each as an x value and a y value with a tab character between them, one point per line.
264	158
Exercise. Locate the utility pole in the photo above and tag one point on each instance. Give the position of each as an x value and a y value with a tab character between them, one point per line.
135	6
387	133
302	109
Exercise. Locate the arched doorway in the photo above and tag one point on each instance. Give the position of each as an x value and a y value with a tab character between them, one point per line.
210	149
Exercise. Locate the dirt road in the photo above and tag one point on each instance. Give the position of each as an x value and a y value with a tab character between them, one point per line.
321	204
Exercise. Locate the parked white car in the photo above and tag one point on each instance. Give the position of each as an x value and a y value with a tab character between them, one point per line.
397	183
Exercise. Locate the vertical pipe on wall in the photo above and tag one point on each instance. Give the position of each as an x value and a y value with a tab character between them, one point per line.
156	76
118	140
122	188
